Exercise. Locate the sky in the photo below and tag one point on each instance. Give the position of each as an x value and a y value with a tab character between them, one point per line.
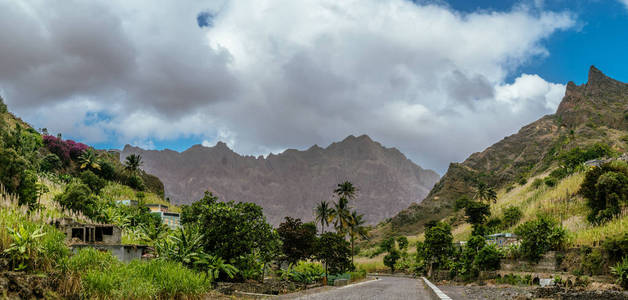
438	79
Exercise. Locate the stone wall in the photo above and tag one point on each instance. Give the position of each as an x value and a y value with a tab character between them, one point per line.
547	264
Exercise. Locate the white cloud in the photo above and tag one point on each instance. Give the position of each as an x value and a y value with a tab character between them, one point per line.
279	74
625	2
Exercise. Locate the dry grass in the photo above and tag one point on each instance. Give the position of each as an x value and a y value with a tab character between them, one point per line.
375	264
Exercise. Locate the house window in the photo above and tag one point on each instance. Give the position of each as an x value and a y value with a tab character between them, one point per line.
78	233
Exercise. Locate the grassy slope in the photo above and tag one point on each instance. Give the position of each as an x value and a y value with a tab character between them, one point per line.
589	113
561	202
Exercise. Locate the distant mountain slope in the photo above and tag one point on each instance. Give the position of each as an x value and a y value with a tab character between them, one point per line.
593	112
293	182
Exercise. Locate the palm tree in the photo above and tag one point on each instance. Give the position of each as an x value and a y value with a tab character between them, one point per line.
89	159
491	195
356	229
346	190
341	216
133	163
323	214
485	193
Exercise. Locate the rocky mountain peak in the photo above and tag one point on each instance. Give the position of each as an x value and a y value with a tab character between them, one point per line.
292	182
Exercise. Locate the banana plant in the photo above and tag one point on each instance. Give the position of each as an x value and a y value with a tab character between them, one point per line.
25	246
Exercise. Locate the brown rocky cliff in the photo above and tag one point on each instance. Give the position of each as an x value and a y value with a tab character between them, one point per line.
293	182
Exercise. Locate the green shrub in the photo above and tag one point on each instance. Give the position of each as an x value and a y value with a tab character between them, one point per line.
512	215
462	202
577	156
304	272
621	272
107	171
78	197
522	181
488	258
390	260
95	183
402	241
357	275
539	236
616	247
493	224
3	107
550	181
50	163
606	191
136	182
514	279
537	183
592	261
387	244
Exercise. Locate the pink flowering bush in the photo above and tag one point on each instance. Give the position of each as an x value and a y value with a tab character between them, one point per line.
65	150
76	149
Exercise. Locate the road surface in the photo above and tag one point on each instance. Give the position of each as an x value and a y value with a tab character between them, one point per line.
387	288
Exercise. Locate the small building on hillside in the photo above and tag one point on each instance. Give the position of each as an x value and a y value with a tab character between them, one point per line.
502	239
157	207
105	237
172	219
127	202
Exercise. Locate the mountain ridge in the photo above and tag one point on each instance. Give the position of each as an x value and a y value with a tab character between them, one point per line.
596	111
294	181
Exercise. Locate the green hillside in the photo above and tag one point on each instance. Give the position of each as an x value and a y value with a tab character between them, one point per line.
595	112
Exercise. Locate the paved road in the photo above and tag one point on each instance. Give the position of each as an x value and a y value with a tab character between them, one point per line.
387	288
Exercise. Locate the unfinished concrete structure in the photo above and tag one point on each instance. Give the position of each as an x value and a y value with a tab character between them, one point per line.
105	237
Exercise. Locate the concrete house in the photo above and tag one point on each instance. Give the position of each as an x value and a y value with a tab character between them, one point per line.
502	239
172	219
105	237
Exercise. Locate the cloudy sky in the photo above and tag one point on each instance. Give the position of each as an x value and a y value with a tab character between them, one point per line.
436	79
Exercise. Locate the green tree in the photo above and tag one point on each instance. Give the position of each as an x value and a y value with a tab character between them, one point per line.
488	258
477	213
95	183
323	214
606	190
403	242
51	163
133	163
512	215
334	250
356	230
298	239
230	230
341	216
78	197
438	242
391	259
539	236
17	177
387	244
346	190
485	193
